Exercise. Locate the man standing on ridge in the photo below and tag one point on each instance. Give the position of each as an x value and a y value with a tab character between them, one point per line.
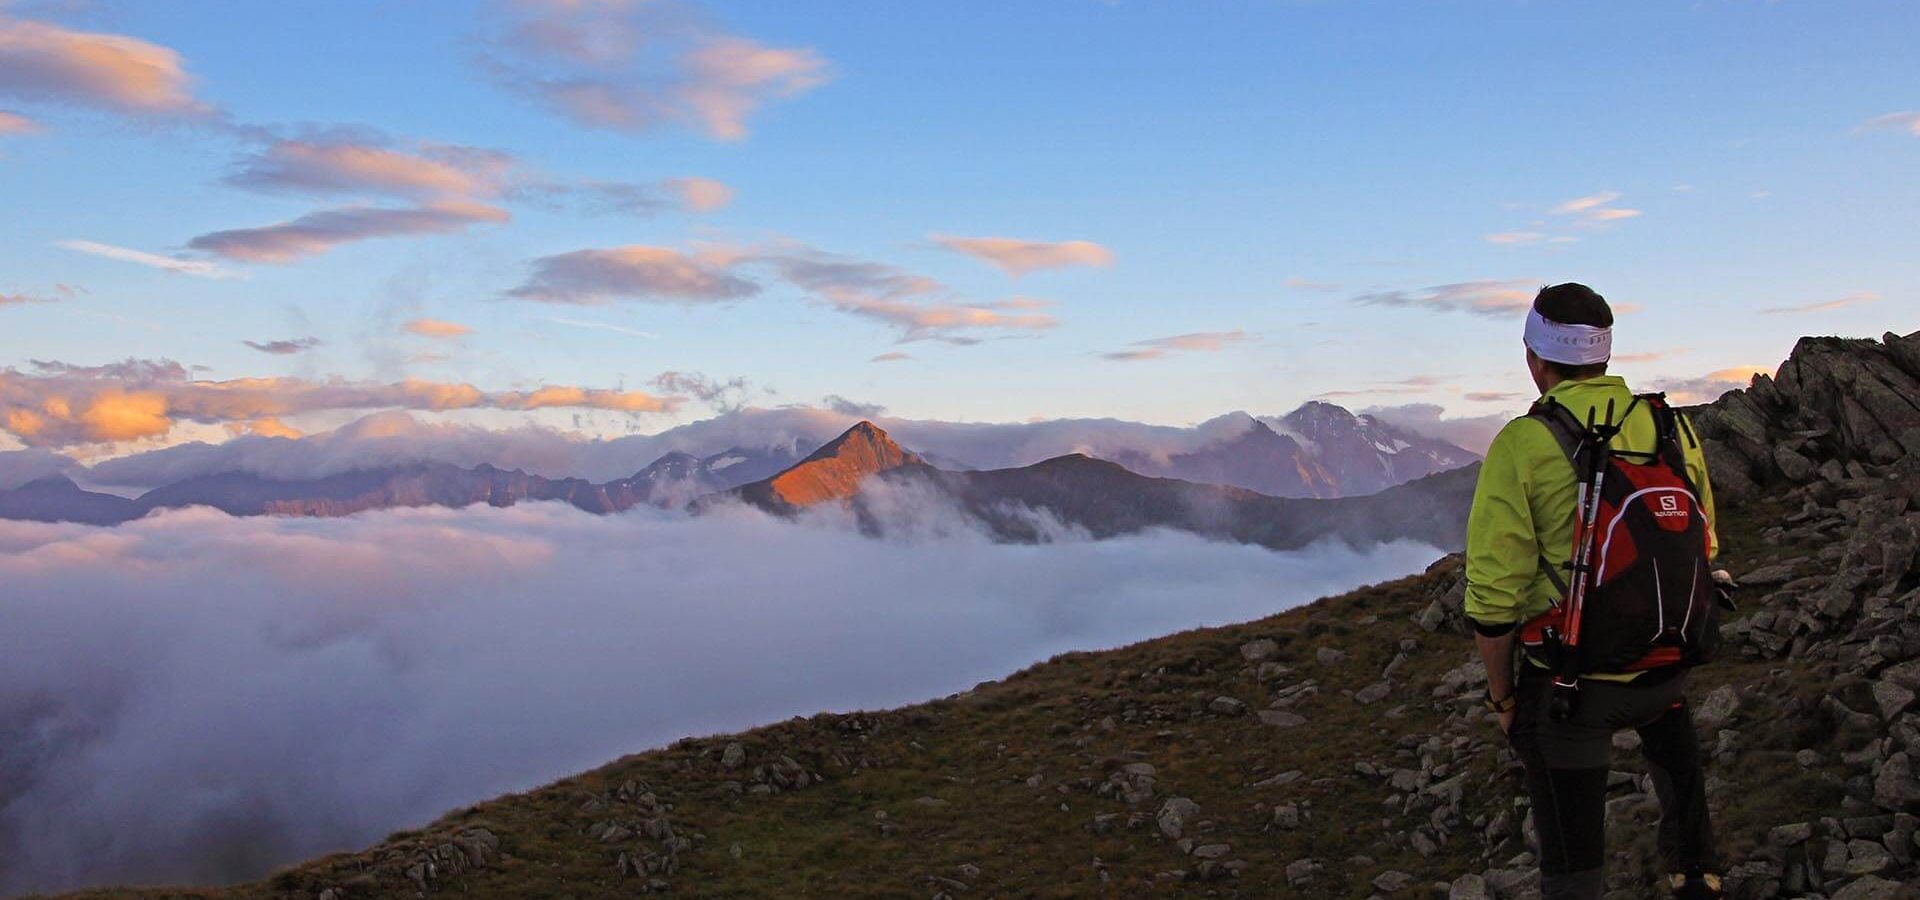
1520	538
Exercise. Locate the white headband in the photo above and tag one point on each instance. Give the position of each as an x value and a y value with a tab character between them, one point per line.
1573	345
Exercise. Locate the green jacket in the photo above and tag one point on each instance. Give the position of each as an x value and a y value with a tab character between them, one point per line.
1523	506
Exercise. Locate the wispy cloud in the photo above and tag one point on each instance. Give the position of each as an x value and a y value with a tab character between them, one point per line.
1907	121
60	292
361	163
1304	284
1193	342
1594	210
1018	257
318	232
700	194
1849	300
892	356
436	328
1526	238
1499	299
196	267
1651	355
641	65
601	326
285	347
44	62
1412	384
14	123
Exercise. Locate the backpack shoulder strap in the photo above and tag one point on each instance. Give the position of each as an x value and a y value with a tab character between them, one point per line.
1563	425
1667	425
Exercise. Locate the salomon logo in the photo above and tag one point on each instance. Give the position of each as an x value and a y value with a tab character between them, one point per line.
1669	507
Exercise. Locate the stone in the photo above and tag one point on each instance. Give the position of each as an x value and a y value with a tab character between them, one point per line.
1174	815
1716	709
1212	851
1301	871
1866	857
1280	718
1790	835
1895	787
1871	887
1468	887
1373	693
1392	881
1328	656
1227	706
1892	699
1793	466
1255	651
734	756
1286	816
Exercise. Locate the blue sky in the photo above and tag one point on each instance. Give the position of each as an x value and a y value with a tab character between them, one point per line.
1261	175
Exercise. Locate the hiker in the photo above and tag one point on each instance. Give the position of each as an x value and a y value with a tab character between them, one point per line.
1578	647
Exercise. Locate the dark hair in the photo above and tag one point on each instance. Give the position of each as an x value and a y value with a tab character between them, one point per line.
1574	304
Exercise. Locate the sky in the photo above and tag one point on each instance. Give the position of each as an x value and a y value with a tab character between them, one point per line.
616	216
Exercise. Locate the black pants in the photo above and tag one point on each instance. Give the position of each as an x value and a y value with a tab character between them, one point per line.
1567	765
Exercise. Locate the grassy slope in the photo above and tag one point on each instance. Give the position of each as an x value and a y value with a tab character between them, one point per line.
977	752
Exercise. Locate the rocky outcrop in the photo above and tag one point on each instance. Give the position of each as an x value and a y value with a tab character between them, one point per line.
1836	407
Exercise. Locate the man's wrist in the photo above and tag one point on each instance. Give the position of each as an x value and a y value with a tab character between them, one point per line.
1503	704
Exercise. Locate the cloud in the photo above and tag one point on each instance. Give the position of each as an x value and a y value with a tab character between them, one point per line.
640	65
60	292
1908	122
1849	300
633	272
601	326
1430	419
1707	388
846	407
1594	210
56	404
1303	284
701	194
892	356
318	232
1526	238
1491	396
436	328
268	427
197	267
921	308
15	124
1195	342
478	652
722	395
947	321
360	165
1650	356
1498	299
1412	384
113	72
1018	257
17	467
286	347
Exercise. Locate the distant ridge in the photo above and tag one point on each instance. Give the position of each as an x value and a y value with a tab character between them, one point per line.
832	472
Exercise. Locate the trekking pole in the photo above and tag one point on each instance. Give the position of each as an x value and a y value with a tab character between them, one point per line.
1566	683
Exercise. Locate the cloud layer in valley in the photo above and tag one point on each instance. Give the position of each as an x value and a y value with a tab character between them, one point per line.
264	690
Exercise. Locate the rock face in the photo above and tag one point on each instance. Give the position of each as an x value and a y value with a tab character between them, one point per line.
1844	402
833	472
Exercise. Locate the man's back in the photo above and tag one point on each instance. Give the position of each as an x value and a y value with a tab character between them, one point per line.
1524	505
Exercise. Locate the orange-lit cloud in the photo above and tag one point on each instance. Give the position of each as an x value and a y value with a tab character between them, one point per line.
56	404
318	232
634	272
701	194
1650	356
39	61
337	166
1707	388
1017	257
265	427
940	321
1196	342
436	328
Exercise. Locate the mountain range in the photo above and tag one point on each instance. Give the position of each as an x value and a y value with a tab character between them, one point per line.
1230	483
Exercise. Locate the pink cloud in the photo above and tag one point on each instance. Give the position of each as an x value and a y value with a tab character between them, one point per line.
318	232
436	328
1196	342
634	272
701	194
14	123
346	166
46	62
1483	298
1018	257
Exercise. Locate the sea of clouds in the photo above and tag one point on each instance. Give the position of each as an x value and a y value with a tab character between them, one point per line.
198	698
